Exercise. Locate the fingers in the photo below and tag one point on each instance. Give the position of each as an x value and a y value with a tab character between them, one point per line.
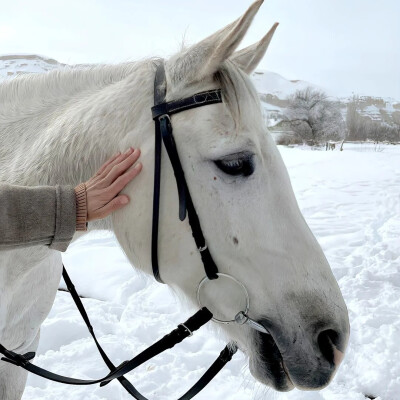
119	166
111	178
107	163
115	204
124	179
116	161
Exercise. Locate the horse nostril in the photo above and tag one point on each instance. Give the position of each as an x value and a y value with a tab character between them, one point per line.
327	342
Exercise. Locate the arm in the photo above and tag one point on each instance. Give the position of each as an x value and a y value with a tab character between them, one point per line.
50	215
36	215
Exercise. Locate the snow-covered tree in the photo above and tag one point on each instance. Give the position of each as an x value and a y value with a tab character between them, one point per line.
315	118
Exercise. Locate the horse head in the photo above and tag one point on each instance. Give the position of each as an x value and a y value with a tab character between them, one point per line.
249	215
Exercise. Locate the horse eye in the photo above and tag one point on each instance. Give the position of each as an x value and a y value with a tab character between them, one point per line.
237	164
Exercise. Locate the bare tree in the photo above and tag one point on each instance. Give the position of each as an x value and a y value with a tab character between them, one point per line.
315	118
356	124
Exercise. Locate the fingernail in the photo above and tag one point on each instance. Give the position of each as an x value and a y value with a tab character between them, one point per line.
129	150
124	200
138	166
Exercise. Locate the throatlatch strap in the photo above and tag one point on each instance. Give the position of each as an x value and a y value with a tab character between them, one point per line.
163	129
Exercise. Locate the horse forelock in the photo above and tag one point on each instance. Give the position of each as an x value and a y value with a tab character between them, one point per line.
238	92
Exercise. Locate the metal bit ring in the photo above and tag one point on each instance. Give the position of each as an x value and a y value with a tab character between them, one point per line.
240	284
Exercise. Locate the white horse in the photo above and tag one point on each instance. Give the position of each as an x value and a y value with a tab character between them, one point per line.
59	127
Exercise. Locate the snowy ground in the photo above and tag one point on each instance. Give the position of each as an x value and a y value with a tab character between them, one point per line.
351	200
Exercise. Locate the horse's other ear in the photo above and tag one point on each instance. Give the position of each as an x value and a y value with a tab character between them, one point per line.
204	58
248	58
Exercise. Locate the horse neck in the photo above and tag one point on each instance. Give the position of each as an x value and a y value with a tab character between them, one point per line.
79	119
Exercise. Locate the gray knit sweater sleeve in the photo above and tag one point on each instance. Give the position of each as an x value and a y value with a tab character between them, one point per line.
30	216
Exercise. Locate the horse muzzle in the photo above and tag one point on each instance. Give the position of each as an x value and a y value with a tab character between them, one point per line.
305	359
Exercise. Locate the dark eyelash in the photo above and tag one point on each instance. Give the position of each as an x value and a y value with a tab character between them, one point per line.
237	164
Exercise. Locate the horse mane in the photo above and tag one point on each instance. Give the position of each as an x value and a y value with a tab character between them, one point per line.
34	88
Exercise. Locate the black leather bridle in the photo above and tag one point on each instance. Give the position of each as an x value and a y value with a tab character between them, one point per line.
162	112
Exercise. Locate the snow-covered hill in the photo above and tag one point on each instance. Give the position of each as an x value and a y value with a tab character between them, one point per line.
274	90
12	65
267	82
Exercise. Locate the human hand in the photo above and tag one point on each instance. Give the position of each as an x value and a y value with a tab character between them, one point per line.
102	190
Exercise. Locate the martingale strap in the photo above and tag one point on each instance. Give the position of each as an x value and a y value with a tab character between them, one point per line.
163	134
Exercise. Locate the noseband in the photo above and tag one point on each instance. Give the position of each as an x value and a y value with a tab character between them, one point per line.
162	112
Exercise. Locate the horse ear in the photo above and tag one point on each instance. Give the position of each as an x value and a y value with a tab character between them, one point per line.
248	58
204	58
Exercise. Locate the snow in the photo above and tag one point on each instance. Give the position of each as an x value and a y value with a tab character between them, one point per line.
273	83
15	64
350	200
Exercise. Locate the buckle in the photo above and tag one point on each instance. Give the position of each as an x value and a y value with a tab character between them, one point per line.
186	329
164	116
203	248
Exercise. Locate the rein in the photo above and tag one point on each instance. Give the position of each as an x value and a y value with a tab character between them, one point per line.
161	112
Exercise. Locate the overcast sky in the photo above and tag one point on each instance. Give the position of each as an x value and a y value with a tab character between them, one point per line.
344	46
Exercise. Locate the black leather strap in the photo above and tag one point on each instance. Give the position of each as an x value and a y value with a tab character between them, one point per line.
23	361
167	342
156	204
79	305
197	100
183	331
163	130
224	357
169	143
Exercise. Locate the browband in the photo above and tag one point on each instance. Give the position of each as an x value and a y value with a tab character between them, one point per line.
197	100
